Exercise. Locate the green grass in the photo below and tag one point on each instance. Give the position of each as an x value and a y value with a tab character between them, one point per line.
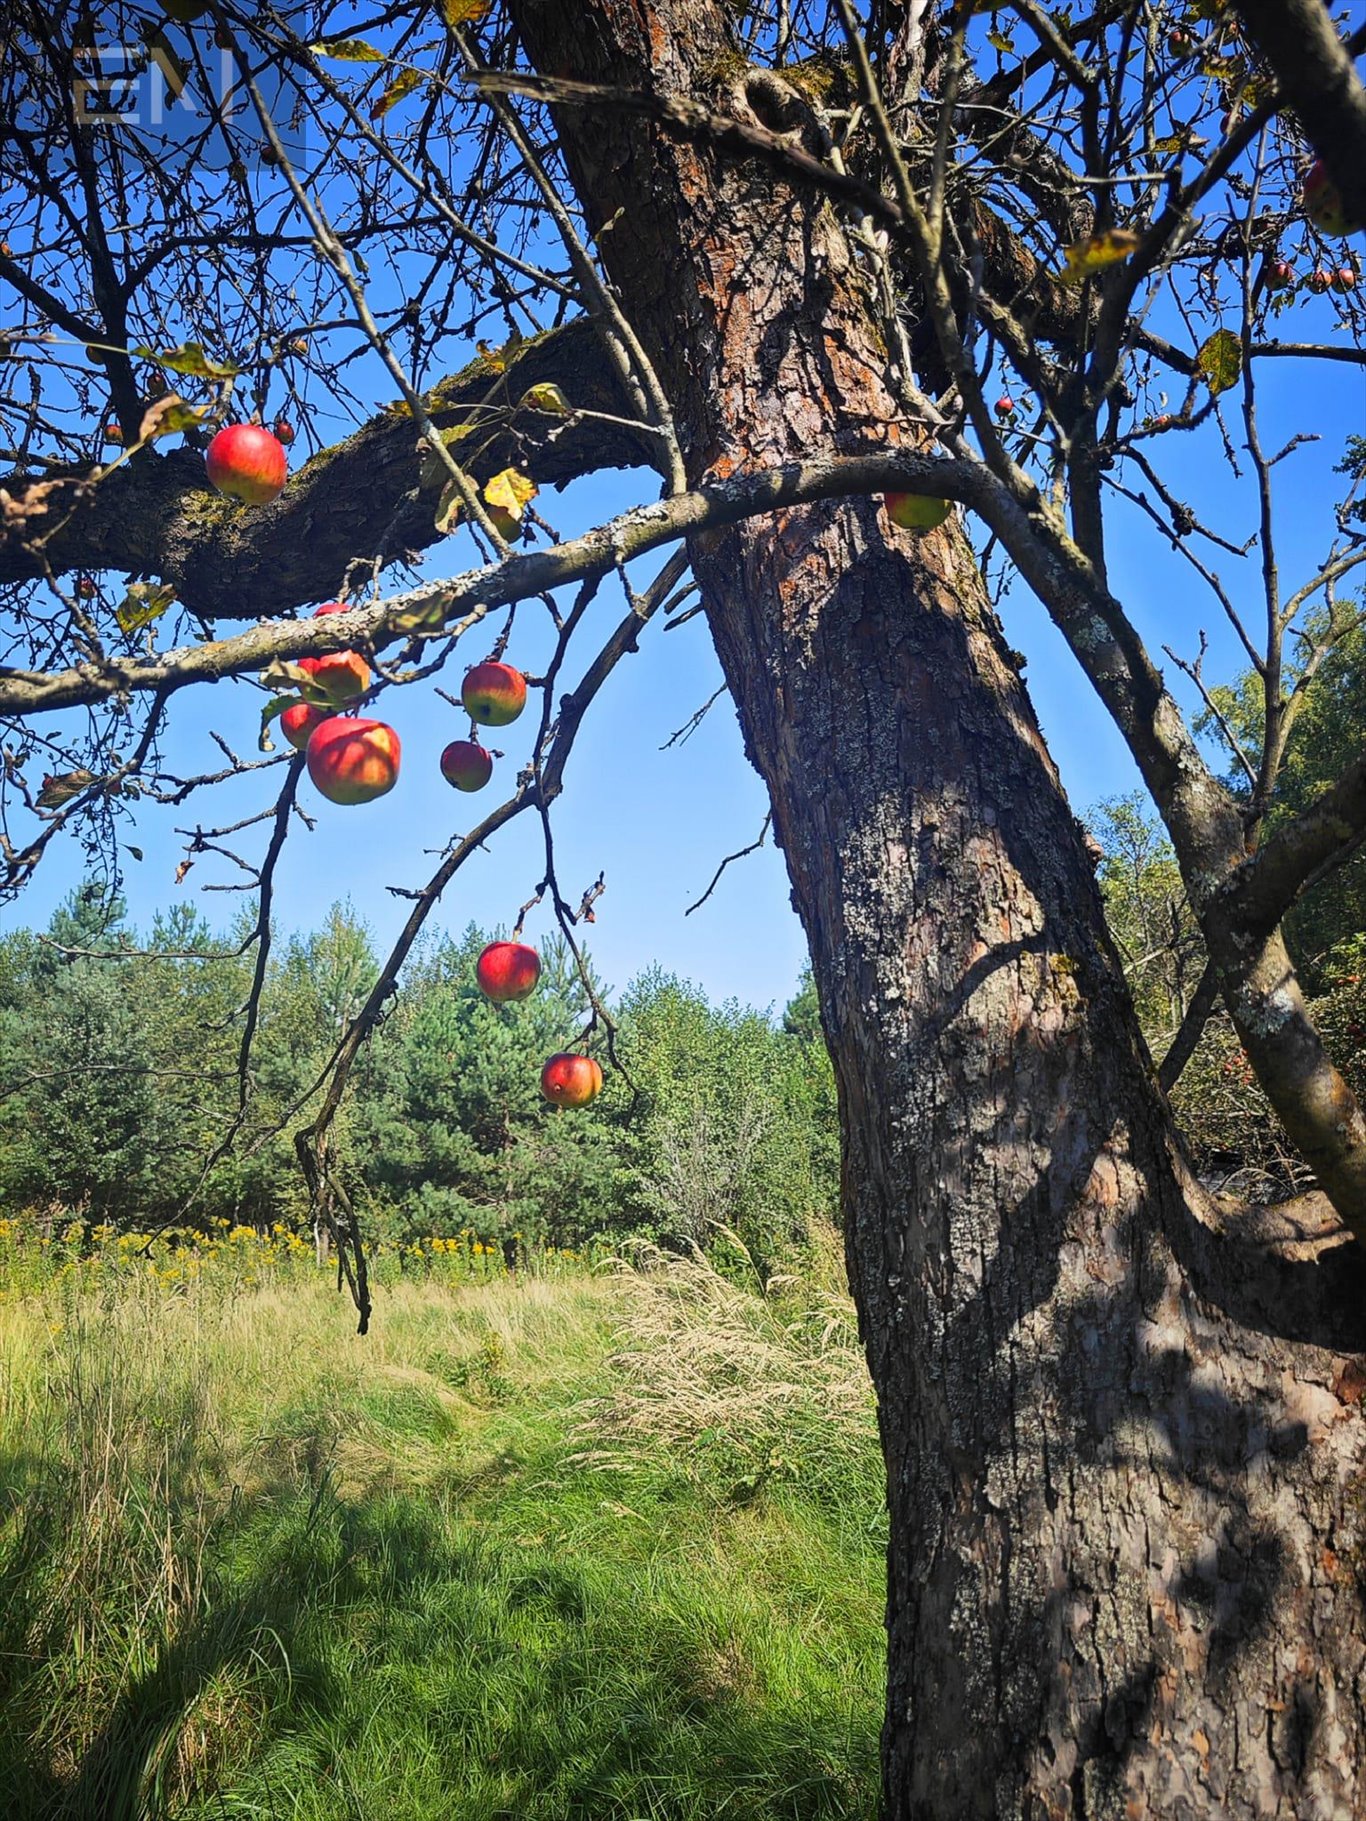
600	1547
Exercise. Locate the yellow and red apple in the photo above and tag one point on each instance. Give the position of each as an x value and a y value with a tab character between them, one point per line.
247	463
1322	202
569	1080
508	971
466	765
494	693
298	721
351	760
341	675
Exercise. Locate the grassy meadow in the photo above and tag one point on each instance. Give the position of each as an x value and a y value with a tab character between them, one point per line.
590	1542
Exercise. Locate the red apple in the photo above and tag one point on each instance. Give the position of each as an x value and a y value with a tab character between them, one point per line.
508	970
494	693
247	463
113	431
1322	203
298	721
353	761
1345	278
283	431
466	765
571	1081
1319	279
1280	275
341	675
1005	405
86	588
916	511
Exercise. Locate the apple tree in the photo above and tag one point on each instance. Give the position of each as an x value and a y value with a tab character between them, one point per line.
790	260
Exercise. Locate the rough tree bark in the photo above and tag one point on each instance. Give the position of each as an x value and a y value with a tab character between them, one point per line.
1124	1452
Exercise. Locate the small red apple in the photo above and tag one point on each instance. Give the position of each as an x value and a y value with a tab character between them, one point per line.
1345	278
508	970
298	721
570	1080
283	431
86	588
466	765
494	693
1005	405
247	463
353	761
1319	280
1322	203
113	431
916	511
341	675
1180	42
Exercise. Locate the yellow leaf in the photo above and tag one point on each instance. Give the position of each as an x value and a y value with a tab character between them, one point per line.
448	508
143	603
464	12
403	84
347	50
169	414
190	359
1221	360
510	492
545	397
1101	250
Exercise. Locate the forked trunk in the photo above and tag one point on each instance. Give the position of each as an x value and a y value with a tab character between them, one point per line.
1124	1456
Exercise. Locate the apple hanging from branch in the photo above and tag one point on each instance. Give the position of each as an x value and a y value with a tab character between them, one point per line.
508	971
340	675
298	721
493	693
247	463
352	760
570	1080
467	765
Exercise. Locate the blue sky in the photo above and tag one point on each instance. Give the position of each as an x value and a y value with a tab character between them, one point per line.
659	823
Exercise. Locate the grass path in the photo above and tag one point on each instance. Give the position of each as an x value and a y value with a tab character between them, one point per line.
600	1548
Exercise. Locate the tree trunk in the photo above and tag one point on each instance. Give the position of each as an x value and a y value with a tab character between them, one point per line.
1124	1455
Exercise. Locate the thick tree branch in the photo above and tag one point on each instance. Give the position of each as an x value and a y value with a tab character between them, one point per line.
158	515
1314	70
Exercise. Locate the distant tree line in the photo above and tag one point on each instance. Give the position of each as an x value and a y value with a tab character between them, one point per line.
118	1071
118	1079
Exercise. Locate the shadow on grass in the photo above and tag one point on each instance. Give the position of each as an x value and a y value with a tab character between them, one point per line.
381	1655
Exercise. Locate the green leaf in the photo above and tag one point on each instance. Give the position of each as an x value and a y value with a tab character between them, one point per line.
61	787
403	84
1221	360
189	358
288	673
347	50
144	603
